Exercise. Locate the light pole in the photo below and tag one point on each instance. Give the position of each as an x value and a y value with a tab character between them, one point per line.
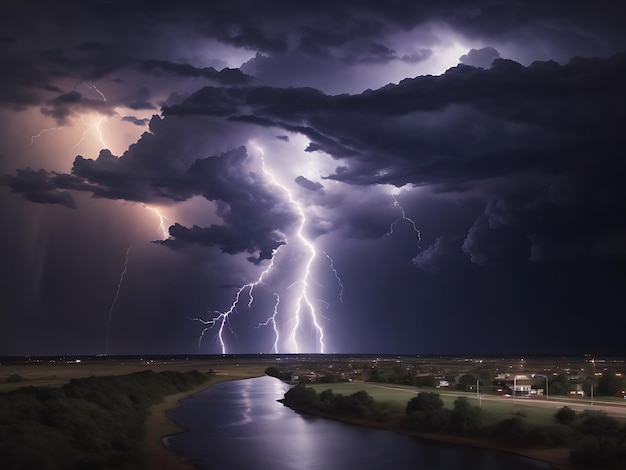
545	377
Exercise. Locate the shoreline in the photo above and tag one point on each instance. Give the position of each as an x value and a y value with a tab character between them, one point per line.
154	453
556	458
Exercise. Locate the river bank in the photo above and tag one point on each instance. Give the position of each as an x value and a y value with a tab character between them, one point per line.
557	458
154	453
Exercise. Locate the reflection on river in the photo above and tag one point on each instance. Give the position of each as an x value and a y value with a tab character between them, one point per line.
240	425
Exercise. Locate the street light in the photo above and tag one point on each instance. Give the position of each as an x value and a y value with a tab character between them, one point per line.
545	377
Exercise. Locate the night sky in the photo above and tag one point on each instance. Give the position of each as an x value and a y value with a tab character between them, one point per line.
383	177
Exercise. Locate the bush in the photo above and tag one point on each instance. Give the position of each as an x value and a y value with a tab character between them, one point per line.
516	430
597	423
565	415
302	395
465	417
424	401
595	450
435	421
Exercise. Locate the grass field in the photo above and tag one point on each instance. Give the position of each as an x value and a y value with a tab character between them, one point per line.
56	374
496	409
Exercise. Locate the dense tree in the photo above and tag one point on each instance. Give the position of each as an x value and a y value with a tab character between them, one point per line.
598	451
95	422
424	401
303	396
559	385
565	415
467	382
597	423
610	385
465	417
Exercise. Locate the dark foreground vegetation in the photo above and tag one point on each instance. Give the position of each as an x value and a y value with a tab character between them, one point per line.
89	423
595	439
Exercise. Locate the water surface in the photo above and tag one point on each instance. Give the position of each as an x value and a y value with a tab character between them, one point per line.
240	425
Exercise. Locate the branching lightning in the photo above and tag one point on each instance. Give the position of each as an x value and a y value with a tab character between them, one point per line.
116	298
89	126
304	296
404	217
303	303
222	318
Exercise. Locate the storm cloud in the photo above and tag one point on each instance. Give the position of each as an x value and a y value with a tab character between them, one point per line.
260	132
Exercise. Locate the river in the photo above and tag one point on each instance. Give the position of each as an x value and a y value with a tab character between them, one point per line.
240	425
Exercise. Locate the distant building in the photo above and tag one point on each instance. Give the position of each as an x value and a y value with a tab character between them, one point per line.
513	384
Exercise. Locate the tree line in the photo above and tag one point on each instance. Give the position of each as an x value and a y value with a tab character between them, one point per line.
92	422
595	439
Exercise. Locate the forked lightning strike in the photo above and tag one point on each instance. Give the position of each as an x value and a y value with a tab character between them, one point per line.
89	126
303	299
222	318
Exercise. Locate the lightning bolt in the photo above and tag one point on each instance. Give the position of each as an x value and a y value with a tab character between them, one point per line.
95	126
303	297
162	219
94	87
272	320
41	132
117	296
404	217
221	319
332	268
88	128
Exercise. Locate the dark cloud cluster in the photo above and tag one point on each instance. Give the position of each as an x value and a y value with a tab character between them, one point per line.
39	186
308	184
87	47
508	118
226	76
511	162
557	123
156	168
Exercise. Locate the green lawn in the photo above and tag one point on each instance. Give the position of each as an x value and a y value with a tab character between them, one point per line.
397	396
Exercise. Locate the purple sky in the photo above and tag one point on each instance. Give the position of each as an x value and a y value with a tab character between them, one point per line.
382	177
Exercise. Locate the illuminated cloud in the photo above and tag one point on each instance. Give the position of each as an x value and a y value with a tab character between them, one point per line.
480	57
497	125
